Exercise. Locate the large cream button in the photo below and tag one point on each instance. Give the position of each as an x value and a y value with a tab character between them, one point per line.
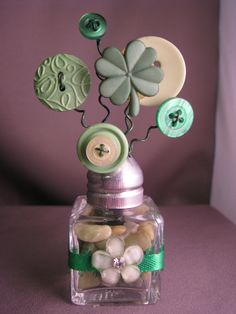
102	150
172	63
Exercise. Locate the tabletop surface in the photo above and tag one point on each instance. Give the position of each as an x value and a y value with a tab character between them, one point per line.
199	275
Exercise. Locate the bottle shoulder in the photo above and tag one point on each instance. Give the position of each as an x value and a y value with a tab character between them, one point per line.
147	211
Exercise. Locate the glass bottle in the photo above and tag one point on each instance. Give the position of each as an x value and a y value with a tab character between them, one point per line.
115	241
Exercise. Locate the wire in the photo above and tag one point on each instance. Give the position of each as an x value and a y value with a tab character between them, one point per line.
135	140
82	118
128	121
98	46
105	107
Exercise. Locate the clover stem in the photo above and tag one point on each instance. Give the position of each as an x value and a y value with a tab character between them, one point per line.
128	121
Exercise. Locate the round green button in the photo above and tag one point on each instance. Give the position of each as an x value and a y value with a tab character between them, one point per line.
174	117
92	25
62	82
102	148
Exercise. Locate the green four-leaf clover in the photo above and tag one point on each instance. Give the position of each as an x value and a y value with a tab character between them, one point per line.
125	75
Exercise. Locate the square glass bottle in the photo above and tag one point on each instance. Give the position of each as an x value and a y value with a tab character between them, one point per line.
115	241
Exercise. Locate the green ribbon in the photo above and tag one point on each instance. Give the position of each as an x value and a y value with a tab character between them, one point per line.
82	262
152	262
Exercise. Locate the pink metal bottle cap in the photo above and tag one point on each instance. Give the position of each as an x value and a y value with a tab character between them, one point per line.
117	190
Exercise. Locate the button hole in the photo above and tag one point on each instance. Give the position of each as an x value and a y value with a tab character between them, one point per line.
92	24
171	115
61	81
102	149
157	64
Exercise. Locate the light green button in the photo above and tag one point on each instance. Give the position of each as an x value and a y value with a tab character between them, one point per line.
62	82
102	148
174	117
92	25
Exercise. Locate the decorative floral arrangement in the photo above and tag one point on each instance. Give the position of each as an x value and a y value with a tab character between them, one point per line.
150	71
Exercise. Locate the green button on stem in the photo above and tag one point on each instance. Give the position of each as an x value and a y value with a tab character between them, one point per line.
174	117
92	26
102	148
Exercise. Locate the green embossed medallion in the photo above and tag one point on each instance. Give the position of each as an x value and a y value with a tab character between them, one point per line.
62	82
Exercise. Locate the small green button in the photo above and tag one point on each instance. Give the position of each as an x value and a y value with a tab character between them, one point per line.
174	117
62	82
92	25
102	148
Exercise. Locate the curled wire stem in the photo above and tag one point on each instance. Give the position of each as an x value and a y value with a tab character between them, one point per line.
102	104
101	78
105	107
84	125
128	121
135	140
82	121
98	46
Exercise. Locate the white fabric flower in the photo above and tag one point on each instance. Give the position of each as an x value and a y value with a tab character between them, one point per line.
117	262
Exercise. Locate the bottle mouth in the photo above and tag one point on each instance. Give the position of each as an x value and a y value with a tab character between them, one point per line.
121	189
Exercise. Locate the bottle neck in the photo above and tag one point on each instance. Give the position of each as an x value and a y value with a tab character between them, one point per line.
120	200
121	189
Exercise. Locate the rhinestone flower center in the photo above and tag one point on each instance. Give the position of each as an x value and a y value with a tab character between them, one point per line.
118	262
